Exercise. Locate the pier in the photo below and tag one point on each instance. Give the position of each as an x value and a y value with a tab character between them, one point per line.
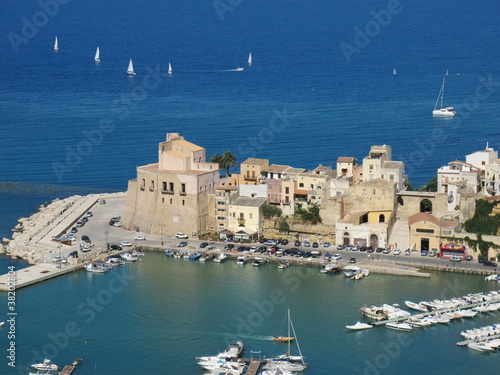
253	367
433	312
67	370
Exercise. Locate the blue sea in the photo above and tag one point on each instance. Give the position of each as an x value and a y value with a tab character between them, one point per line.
321	86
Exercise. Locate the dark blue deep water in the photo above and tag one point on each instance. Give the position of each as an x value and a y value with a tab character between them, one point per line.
320	86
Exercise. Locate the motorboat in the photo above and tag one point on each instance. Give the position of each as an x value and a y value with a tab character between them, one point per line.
233	350
258	261
442	110
331	268
416	306
241	260
169	252
480	346
359	326
220	258
195	256
282	338
283	265
350	271
399	326
358	276
239	69
46	365
375	312
129	257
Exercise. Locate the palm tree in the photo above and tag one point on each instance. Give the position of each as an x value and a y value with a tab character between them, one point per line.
216	158
227	161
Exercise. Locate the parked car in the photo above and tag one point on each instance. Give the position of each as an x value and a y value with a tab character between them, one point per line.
397	252
407	252
315	244
456	259
183	244
469	257
386	251
270	242
80	223
284	242
102	201
85	219
424	253
307	244
181	236
203	245
369	250
432	253
326	244
481	260
140	237
229	246
57	259
89	214
352	260
336	257
86	239
125	243
297	243
115	247
74	230
489	264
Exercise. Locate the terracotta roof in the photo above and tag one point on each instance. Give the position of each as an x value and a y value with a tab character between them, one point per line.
346	159
301	192
422	216
255	161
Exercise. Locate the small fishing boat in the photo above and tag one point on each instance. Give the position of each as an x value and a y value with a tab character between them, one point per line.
359	326
130	69
239	69
169	252
129	257
241	260
283	265
92	267
77	361
331	268
220	258
258	261
282	338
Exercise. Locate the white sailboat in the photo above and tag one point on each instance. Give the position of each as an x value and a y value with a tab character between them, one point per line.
130	69
442	111
169	69
97	57
288	362
250	58
56	45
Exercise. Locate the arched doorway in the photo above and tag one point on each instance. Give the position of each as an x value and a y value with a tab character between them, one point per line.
374	241
381	218
426	206
346	238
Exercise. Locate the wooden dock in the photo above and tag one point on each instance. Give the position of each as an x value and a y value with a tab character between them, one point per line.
67	370
433	312
254	367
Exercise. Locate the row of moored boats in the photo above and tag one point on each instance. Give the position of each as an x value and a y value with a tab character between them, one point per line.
100	266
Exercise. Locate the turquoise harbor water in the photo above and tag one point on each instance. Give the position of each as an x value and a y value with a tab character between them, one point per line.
155	316
70	126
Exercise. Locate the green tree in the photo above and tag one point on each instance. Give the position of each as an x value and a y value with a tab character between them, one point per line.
311	214
284	227
216	158
482	222
269	211
228	161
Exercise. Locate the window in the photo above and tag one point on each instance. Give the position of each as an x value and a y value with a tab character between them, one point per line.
183	202
183	188
381	218
170	200
250	216
301	184
171	187
391	177
164	186
287	190
374	191
371	167
421	230
163	200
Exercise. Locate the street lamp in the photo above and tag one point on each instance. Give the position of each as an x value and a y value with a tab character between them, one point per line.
107	243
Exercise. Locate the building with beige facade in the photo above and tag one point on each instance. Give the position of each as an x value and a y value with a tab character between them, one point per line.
379	164
245	217
251	170
427	231
174	194
367	214
458	172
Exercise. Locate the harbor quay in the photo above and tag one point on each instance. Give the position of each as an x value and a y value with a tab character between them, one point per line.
35	243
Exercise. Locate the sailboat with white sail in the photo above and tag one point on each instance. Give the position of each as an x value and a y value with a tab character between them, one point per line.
97	57
250	58
442	110
394	72
56	45
169	69
288	362
130	69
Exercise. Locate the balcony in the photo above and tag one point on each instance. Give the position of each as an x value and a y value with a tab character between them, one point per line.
249	178
167	192
241	221
183	194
